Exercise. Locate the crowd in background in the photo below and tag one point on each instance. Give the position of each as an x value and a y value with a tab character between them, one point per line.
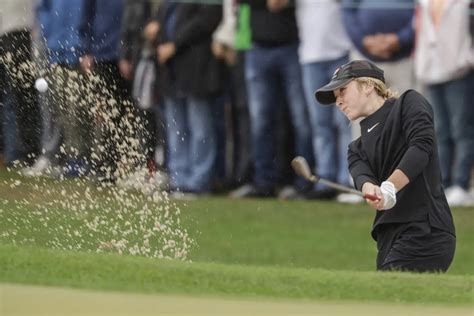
218	96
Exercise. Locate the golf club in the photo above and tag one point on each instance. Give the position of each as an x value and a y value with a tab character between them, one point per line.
301	167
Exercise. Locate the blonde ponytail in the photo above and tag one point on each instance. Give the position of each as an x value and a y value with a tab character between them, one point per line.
380	87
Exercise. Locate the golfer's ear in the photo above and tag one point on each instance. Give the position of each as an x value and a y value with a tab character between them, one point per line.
367	87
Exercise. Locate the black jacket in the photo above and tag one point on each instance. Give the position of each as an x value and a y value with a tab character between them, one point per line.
136	15
193	71
272	29
400	135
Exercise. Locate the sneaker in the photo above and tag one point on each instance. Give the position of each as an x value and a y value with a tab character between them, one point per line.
349	198
40	167
457	196
250	190
161	180
182	196
135	181
75	168
289	192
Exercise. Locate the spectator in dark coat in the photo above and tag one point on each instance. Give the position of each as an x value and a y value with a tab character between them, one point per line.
190	81
271	66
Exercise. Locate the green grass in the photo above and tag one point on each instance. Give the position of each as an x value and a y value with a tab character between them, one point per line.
300	234
133	274
261	248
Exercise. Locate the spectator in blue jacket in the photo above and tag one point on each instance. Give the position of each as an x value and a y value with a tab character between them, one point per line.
64	28
382	31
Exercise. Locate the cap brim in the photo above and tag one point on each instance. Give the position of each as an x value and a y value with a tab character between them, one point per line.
325	95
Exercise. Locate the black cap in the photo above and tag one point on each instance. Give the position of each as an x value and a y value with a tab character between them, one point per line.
343	75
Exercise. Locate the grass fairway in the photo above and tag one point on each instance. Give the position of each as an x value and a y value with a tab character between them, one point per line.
132	274
252	249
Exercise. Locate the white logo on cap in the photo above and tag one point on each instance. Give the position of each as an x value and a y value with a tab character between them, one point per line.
334	75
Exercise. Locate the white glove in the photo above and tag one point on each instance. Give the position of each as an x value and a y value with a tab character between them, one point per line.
389	195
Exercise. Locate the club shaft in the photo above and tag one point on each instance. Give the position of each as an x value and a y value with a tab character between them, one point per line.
301	167
337	186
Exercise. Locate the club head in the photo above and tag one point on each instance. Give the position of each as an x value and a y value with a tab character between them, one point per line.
301	167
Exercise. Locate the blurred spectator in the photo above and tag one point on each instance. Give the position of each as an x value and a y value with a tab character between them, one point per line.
138	64
63	25
19	123
51	131
138	30
382	32
243	156
115	152
270	65
324	47
236	161
444	60
190	80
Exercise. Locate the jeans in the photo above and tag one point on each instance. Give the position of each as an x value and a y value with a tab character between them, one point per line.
51	131
266	71
454	125
73	115
219	122
19	111
331	129
192	148
242	156
12	145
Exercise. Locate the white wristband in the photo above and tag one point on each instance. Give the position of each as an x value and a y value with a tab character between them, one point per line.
389	194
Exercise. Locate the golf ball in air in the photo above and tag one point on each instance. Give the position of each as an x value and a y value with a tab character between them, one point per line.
41	85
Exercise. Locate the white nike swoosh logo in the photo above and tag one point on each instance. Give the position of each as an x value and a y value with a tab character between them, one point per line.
369	129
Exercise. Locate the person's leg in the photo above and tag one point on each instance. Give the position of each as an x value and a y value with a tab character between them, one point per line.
160	141
242	156
121	124
11	146
322	125
344	139
178	139
51	133
13	83
76	119
442	124
80	118
202	144
218	120
331	130
295	97
286	145
459	98
261	83
28	110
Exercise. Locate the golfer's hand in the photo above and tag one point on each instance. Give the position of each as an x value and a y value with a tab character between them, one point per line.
372	189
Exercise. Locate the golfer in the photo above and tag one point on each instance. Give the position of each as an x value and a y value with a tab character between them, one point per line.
395	158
